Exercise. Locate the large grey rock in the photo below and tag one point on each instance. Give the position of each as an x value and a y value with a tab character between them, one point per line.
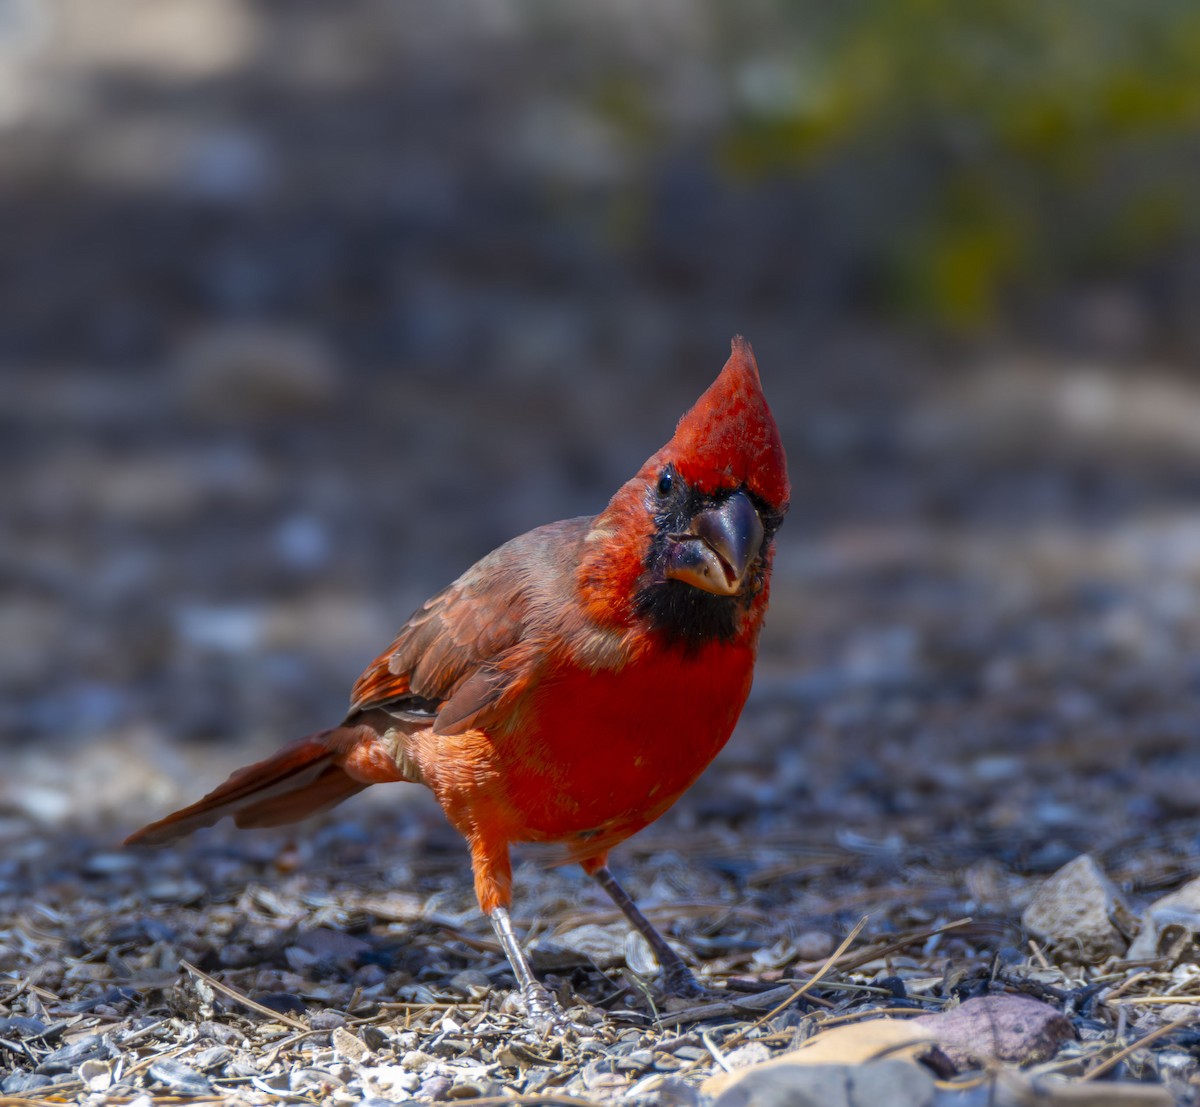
1080	914
1011	1028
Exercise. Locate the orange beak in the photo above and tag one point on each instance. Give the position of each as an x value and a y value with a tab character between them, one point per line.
718	548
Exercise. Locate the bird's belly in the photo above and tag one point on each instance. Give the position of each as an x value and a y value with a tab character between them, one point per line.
602	754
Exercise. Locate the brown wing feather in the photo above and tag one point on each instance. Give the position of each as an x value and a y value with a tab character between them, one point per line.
460	654
458	651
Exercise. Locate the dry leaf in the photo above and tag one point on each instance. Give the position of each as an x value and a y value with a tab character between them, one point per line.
874	1084
849	1044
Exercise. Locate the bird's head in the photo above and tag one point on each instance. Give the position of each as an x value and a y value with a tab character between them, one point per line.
687	544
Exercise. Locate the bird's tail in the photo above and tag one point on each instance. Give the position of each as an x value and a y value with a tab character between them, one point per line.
306	777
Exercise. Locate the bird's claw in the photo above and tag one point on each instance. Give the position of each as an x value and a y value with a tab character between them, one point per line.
546	1015
679	988
679	982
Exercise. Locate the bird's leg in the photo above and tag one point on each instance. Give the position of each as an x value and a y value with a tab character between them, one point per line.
678	979
493	889
543	1008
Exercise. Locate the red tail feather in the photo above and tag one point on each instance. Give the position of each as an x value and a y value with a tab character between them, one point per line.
298	781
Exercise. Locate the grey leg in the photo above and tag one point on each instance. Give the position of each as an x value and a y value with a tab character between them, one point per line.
678	979
543	1008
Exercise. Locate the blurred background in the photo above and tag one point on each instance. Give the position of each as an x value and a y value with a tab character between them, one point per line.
304	307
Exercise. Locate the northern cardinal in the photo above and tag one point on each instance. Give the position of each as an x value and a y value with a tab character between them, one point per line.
569	687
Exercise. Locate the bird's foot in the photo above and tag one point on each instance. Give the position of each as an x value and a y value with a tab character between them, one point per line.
545	1014
679	982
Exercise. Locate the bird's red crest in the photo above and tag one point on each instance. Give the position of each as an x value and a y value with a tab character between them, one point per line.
729	436
728	440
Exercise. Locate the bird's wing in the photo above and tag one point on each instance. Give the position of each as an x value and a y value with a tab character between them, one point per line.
469	646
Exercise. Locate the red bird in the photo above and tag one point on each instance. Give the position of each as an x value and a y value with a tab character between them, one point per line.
572	685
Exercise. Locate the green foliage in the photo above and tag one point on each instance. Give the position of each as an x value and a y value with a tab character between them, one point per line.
1013	142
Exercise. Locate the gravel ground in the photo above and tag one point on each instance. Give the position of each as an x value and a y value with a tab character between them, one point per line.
952	705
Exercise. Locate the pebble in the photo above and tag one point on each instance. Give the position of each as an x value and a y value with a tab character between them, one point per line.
375	1037
473	1088
220	1032
636	1061
349	1045
813	945
370	976
326	1020
604	946
1175	915
416	1060
752	1053
472	983
284	1002
334	947
436	1087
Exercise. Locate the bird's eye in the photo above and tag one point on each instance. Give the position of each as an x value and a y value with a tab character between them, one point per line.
666	482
